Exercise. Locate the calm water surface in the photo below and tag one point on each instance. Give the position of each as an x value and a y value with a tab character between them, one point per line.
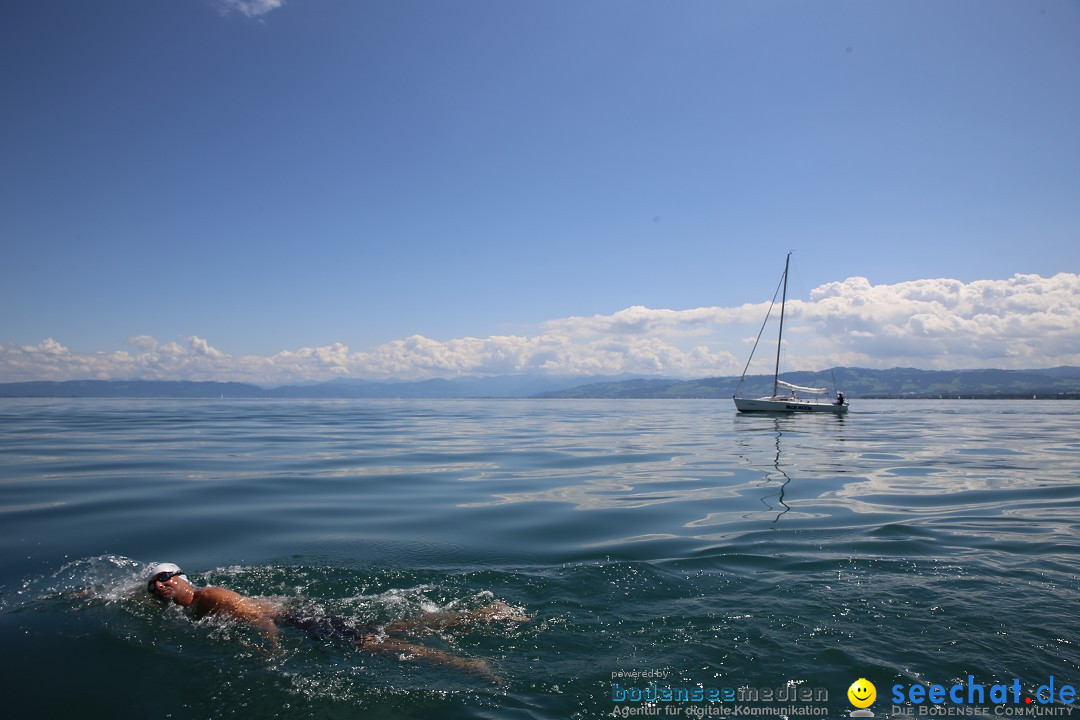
910	542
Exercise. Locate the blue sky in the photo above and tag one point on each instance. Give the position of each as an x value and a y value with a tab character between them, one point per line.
280	191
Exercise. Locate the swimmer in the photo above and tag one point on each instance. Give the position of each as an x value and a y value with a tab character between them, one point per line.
168	583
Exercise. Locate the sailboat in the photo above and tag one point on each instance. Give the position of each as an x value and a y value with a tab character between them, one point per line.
788	400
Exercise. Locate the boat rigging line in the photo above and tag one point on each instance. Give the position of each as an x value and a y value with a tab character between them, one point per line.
783	281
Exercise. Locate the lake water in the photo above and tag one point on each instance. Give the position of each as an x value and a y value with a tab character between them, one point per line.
909	543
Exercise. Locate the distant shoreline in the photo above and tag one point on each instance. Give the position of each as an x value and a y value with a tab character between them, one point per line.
1039	398
1061	383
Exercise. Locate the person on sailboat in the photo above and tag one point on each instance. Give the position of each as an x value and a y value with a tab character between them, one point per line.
839	398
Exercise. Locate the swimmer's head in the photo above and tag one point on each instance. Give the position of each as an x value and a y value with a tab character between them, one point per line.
162	572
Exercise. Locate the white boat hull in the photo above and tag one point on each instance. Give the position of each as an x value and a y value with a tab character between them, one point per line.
787	405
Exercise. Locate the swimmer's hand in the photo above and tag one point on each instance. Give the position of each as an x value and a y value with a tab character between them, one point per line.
269	630
272	645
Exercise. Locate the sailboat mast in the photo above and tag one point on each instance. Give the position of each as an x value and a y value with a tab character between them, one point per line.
780	337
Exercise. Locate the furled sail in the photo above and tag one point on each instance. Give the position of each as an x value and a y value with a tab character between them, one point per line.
800	388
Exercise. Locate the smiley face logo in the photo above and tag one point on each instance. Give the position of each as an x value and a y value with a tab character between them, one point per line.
862	693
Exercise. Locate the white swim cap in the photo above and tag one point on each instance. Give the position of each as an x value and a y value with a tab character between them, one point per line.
158	568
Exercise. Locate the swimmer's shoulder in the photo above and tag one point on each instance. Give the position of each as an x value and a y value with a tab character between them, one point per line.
211	600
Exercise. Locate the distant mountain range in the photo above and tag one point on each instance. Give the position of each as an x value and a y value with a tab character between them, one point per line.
1063	382
1060	382
468	387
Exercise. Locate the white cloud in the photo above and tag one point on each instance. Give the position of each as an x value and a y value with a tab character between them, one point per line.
251	8
638	320
1026	321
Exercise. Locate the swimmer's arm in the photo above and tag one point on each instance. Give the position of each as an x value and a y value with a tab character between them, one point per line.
269	630
262	617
